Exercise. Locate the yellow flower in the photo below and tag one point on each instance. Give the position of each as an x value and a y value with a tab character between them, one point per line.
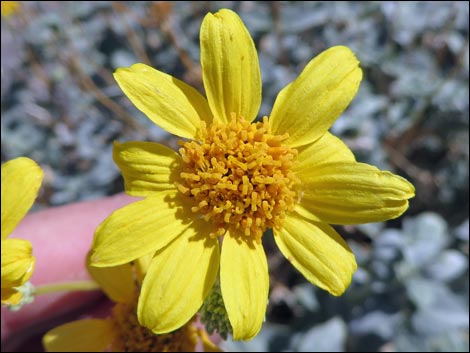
121	332
234	178
10	7
21	179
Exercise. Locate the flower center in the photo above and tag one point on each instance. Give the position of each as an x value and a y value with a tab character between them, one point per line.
239	177
132	337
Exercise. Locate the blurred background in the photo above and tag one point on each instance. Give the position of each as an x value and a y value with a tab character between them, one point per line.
61	107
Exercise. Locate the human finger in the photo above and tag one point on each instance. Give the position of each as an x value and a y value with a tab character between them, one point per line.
61	237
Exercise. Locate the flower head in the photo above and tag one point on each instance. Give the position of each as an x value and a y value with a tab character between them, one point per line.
121	331
21	179
208	205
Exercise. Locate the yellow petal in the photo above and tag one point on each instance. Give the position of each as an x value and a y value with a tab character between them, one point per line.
91	335
147	167
11	296
352	193
327	149
117	281
17	262
178	281
230	67
244	282
318	252
307	107
142	265
21	179
168	102
140	228
10	7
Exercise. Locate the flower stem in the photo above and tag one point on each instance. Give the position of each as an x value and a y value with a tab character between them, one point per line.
66	286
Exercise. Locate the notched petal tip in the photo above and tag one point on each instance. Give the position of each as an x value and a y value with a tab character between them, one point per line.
137	67
342	51
120	71
225	14
403	184
402	190
121	74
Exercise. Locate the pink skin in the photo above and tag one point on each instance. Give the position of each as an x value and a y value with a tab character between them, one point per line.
61	238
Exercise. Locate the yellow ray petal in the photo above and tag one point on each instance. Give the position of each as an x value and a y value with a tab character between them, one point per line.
318	252
244	282
230	67
352	193
10	7
91	335
117	281
168	102
178	281
17	262
327	149
307	107
11	296
138	229
21	179
141	266
147	167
